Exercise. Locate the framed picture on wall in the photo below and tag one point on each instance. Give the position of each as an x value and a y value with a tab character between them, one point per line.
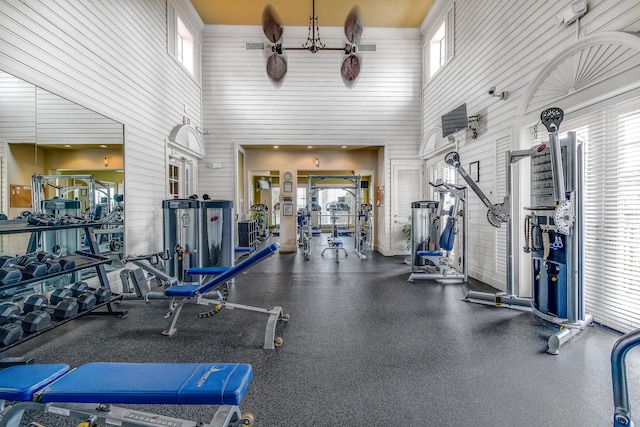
474	171
287	209
287	186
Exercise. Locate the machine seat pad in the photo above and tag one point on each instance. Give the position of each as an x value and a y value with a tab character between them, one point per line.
20	382
153	383
187	290
448	235
244	250
191	289
198	271
336	242
429	253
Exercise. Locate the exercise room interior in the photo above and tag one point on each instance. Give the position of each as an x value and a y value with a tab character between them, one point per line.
319	212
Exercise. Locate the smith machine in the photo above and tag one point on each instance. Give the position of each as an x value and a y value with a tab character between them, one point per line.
553	230
363	217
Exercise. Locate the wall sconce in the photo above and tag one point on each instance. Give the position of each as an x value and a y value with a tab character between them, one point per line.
317	162
474	126
106	162
501	95
575	10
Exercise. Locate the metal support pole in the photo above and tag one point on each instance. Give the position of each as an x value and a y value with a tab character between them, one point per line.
622	411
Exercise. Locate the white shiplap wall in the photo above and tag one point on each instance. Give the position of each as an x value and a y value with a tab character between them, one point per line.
111	57
311	105
503	43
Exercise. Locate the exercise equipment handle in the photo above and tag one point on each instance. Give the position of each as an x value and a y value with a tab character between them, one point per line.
551	119
622	414
453	159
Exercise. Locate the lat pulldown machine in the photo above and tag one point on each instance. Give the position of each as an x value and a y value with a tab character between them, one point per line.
552	230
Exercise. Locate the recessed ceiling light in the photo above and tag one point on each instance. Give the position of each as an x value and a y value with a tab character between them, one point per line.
103	146
276	146
344	146
309	146
67	146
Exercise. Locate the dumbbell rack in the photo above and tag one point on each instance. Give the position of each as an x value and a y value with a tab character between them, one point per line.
83	260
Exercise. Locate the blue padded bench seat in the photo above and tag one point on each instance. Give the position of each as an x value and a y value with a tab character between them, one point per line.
336	242
21	382
135	383
243	250
429	253
188	290
198	271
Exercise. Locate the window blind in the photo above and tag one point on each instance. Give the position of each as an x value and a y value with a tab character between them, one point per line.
612	213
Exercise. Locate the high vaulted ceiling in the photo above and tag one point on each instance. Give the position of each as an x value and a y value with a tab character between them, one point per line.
331	13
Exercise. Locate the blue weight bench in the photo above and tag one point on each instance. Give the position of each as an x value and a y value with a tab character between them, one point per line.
89	392
218	286
336	245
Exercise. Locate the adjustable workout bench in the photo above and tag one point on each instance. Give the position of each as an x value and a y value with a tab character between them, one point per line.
335	244
89	392
224	275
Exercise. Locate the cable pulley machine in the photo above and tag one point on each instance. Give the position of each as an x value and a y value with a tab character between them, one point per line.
552	231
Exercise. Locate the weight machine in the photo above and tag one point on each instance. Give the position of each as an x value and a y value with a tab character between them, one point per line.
553	230
334	241
363	216
364	228
434	255
259	214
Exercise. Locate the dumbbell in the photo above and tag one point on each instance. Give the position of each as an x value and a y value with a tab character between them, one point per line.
35	321
101	294
63	309
31	267
10	276
53	265
84	302
9	332
42	219
7	260
67	263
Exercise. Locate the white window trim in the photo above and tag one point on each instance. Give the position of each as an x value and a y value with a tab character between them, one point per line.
446	18
179	27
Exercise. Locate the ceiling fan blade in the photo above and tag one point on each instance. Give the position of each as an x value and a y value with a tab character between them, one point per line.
276	67
353	26
350	68
271	24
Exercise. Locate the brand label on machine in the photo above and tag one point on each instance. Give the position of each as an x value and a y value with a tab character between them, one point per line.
153	419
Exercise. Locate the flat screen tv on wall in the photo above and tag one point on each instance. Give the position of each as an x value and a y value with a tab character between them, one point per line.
454	121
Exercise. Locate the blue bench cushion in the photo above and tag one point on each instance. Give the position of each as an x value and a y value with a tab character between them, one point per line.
243	250
20	382
186	290
206	270
429	253
153	383
448	235
336	242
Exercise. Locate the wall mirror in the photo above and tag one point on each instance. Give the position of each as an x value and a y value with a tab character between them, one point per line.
53	148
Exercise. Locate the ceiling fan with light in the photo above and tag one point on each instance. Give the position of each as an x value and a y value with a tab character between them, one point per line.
277	64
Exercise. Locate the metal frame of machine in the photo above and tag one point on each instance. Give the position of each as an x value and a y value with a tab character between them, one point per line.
432	243
363	221
557	285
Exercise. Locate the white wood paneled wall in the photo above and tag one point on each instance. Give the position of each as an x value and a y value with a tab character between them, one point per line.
312	105
111	57
502	43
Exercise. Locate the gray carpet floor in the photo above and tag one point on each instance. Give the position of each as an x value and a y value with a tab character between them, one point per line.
363	347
